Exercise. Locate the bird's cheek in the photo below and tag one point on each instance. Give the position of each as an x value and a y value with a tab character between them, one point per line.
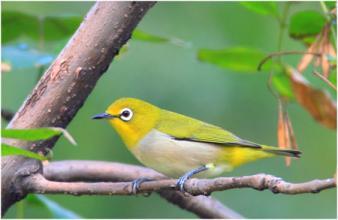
112	122
117	124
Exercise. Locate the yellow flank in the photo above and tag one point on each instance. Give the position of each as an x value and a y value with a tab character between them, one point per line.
174	144
236	156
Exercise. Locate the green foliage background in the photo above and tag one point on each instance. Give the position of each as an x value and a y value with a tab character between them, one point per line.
171	76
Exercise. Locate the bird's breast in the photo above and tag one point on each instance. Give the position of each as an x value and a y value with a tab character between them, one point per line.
173	157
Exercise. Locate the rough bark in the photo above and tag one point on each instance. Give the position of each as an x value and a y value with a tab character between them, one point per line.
74	171
100	171
66	84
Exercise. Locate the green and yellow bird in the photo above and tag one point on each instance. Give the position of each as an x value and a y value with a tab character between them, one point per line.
181	146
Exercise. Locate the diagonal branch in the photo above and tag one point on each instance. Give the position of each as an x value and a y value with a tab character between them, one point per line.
66	84
94	171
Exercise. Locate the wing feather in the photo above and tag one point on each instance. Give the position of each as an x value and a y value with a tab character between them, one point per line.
182	127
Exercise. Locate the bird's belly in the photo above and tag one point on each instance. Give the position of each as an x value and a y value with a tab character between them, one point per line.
176	157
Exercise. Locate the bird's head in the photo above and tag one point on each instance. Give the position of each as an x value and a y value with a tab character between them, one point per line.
132	118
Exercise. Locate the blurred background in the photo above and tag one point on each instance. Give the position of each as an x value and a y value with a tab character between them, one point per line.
168	74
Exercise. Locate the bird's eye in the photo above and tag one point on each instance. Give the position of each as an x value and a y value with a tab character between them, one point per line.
126	114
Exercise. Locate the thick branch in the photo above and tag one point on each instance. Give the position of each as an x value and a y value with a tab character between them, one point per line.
64	87
72	171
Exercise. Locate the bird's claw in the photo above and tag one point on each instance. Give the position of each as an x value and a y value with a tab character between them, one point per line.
135	184
180	183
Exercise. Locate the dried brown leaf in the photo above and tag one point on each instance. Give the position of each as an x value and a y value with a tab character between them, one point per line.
317	102
286	138
307	58
332	50
325	66
325	47
322	46
293	143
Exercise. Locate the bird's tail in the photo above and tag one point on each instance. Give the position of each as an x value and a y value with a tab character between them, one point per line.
282	152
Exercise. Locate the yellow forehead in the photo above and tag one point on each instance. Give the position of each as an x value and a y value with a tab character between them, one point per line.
136	105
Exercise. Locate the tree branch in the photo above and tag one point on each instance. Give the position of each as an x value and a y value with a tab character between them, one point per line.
89	171
39	184
70	172
66	84
202	206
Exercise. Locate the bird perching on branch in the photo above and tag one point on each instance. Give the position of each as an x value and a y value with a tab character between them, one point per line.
181	146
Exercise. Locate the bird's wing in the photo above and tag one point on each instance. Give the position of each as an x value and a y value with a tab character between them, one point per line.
181	127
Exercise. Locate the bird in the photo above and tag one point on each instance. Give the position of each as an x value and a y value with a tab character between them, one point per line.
180	146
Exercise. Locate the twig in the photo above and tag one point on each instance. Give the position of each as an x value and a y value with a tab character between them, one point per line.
73	170
320	76
271	55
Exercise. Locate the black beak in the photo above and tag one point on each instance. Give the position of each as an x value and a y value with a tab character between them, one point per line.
102	116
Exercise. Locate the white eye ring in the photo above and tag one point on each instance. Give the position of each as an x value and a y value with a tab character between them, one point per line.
126	114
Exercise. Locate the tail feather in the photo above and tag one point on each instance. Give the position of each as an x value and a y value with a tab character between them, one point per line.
282	152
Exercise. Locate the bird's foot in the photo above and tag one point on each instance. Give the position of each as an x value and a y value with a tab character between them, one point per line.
181	181
135	185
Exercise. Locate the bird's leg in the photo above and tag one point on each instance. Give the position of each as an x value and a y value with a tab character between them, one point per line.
186	176
135	185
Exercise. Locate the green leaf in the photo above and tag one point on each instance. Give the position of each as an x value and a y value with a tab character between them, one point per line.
7	150
263	8
330	4
16	24
281	82
237	59
36	134
306	24
30	134
143	36
140	35
55	209
333	77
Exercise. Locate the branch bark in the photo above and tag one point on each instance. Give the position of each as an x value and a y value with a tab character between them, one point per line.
76	178
64	87
95	171
73	170
38	184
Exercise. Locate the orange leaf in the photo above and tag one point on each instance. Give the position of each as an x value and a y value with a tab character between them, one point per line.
325	51
317	102
307	58
332	51
286	138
